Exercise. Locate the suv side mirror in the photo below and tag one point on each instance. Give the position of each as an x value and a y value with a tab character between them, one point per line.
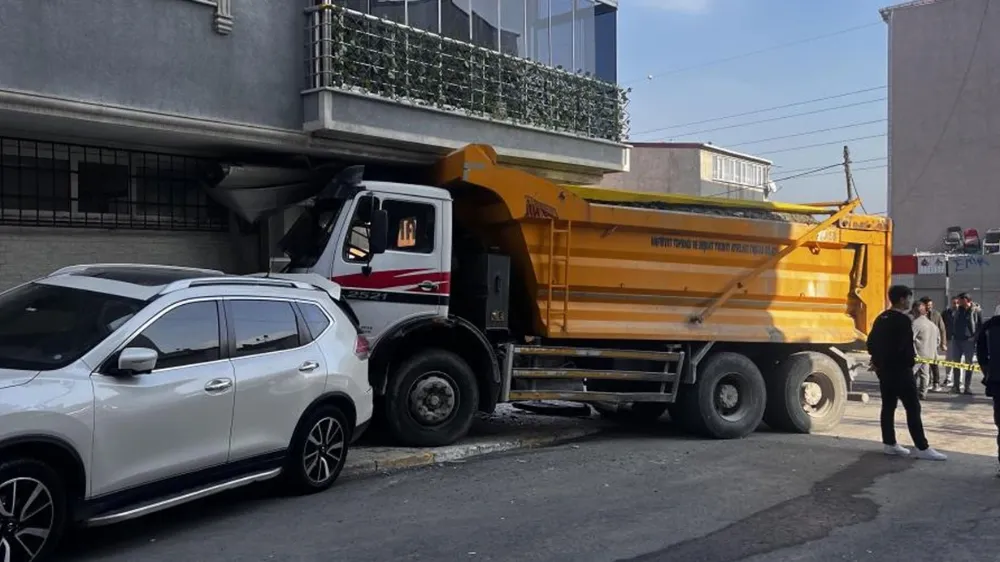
379	238
137	361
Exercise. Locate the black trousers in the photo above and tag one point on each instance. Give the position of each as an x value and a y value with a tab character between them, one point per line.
902	387
936	375
996	421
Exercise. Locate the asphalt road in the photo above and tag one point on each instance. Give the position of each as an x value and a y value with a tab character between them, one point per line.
653	496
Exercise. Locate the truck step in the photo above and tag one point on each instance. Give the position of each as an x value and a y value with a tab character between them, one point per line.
594	374
549	351
585	396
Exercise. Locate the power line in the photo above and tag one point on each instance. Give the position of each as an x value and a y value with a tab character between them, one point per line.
805	146
838	164
774	108
810	172
753	53
812	132
811	175
958	96
772	119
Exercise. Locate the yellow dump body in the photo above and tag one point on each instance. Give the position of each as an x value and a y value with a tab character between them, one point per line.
609	264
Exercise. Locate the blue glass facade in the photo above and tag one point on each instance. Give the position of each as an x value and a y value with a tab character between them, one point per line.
577	35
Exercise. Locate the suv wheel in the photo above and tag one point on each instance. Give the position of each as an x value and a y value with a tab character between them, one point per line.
318	452
32	510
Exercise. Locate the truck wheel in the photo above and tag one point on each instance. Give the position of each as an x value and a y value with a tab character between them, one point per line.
808	393
727	400
431	400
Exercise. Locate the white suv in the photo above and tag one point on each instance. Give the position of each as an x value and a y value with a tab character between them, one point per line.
128	389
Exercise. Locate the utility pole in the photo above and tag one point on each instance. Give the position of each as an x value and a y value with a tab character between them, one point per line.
847	173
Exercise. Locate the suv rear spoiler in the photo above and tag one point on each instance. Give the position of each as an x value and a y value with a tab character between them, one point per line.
314	279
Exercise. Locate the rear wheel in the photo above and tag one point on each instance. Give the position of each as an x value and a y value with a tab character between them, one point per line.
727	400
808	393
431	400
318	452
32	510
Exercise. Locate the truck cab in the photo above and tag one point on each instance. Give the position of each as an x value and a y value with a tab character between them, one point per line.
389	246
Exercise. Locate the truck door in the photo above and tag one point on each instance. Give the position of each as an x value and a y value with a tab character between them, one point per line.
410	279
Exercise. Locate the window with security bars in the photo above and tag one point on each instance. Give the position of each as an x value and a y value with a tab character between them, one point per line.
56	184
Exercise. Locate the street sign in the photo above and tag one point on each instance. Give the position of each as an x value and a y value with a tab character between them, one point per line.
932	265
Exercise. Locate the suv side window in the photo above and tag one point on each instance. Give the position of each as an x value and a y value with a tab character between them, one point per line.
263	326
315	318
411	226
187	335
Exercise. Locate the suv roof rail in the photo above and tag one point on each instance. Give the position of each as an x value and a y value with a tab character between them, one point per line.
308	281
79	268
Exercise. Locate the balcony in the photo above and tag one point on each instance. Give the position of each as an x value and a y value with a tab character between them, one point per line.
373	78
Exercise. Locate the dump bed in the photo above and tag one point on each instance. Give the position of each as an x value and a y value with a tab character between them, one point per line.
609	264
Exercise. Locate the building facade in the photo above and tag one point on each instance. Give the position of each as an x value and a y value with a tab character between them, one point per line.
108	114
944	123
694	169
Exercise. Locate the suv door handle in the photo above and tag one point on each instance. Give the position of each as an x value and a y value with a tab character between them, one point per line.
216	385
428	286
308	366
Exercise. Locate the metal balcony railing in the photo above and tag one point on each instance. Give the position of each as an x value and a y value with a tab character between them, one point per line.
354	52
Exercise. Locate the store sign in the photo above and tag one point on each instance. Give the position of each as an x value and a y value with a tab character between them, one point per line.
932	265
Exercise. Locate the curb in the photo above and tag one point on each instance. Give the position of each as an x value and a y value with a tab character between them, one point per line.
427	457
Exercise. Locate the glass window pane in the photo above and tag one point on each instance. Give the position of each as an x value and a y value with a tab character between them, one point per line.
263	326
315	318
538	31
584	40
485	16
394	10
562	33
187	335
512	39
606	42
423	14
356	5
455	19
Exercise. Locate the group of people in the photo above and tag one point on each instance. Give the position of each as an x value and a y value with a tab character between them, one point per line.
907	331
951	334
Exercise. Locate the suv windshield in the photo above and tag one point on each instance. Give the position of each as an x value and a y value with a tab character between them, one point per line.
305	241
43	327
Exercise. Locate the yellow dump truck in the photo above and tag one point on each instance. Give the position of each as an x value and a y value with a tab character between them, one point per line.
495	285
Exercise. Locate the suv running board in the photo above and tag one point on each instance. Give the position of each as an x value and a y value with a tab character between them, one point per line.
180	499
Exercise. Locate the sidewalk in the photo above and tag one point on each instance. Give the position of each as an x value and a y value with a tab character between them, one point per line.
507	429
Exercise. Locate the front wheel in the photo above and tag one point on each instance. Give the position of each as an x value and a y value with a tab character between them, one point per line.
431	400
32	510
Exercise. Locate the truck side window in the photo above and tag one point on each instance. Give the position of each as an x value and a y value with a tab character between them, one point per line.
411	226
356	245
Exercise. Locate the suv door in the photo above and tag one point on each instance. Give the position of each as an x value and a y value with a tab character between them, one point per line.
174	420
279	370
409	279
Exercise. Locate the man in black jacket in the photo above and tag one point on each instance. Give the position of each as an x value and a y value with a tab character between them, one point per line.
987	347
965	324
890	345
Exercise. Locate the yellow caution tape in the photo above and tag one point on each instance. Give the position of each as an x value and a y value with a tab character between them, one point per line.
943	363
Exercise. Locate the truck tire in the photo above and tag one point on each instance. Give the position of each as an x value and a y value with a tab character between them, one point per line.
727	400
431	399
807	393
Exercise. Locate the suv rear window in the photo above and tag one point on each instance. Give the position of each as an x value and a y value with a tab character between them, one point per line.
43	327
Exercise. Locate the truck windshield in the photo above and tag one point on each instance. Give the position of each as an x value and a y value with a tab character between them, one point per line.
44	327
305	241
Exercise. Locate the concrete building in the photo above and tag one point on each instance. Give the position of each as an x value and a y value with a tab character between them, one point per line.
694	169
108	110
944	120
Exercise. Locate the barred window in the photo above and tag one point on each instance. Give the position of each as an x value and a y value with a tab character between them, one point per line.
56	184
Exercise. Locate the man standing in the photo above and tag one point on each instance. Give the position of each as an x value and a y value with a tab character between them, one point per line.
988	347
890	345
935	317
966	322
949	323
926	341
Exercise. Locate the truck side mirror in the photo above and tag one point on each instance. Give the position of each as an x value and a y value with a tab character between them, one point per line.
378	239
